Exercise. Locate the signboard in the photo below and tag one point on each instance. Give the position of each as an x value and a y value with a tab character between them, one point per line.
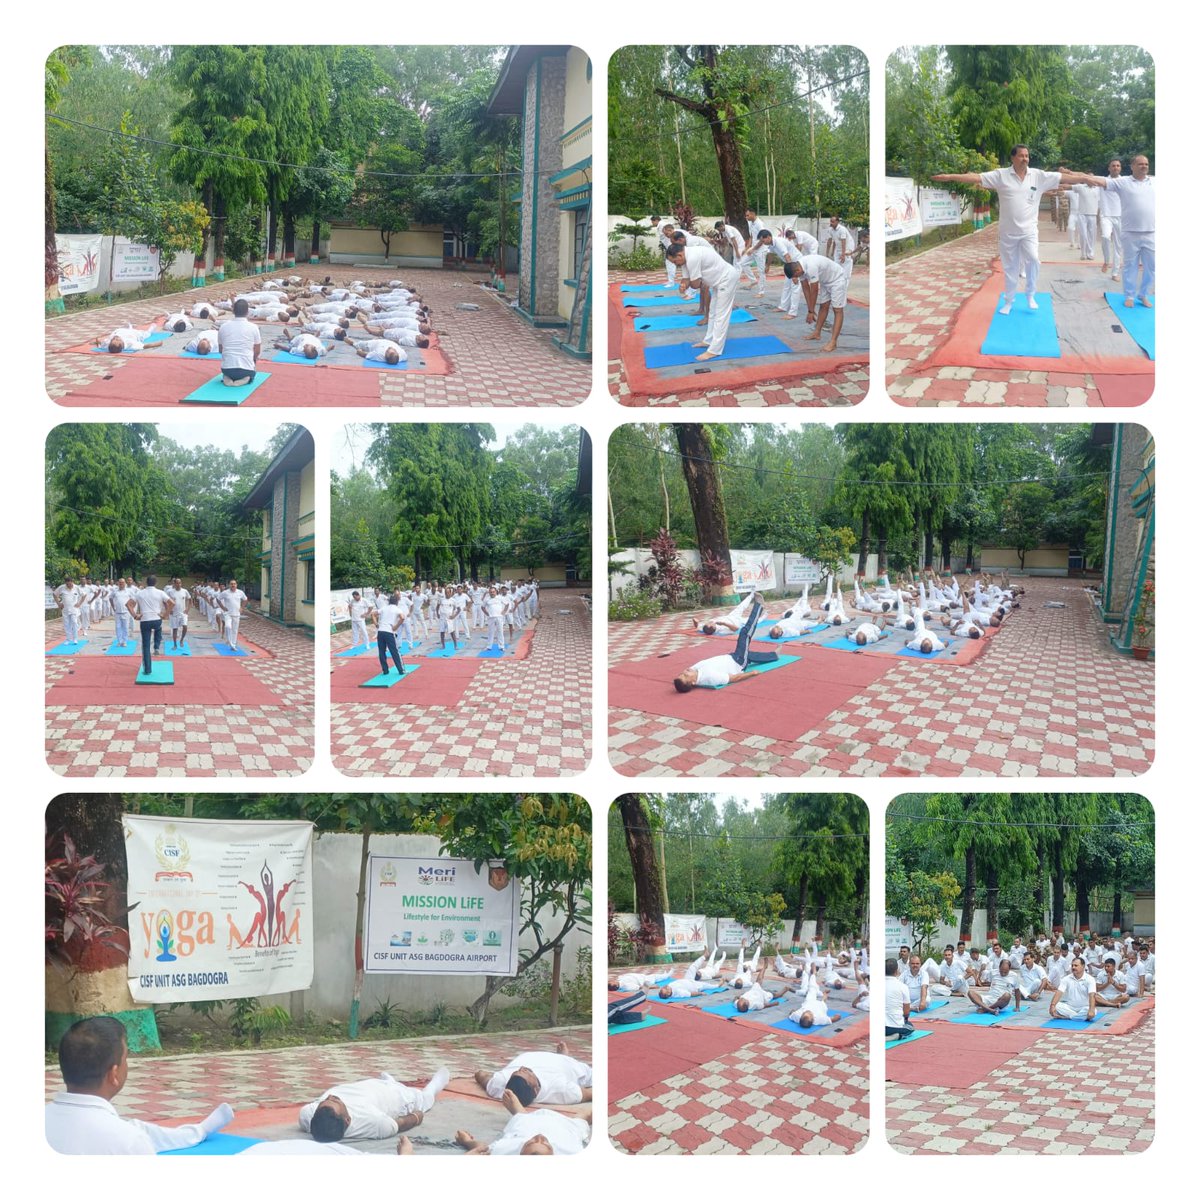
753	570
131	263
51	602
896	933
220	910
78	262
732	933
798	570
685	933
940	207
339	603
439	916
901	212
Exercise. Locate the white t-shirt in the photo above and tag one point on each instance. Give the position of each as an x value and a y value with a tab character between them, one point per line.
705	265
1110	201
714	672
79	1124
236	340
822	269
914	982
567	1135
69	598
1019	198
373	1105
1089	199
1137	202
1107	987
377	349
193	347
388	617
1075	992
562	1078
843	242
805	243
895	994
358	609
152	601
232	600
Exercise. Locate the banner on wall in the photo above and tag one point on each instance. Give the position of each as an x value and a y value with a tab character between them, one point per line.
339	602
901	212
732	933
753	570
896	933
940	207
78	262
439	916
798	570
685	933
132	263
220	910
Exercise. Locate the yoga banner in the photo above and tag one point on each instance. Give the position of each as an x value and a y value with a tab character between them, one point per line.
685	934
339	602
51	602
132	263
798	570
732	933
219	910
753	570
78	262
901	212
940	207
896	933
439	916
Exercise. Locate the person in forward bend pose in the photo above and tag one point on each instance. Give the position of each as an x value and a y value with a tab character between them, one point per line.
737	244
729	668
830	287
702	264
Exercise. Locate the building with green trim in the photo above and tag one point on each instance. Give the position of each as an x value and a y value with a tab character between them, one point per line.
1129	534
286	495
550	88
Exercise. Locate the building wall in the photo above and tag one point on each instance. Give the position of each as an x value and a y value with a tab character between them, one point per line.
545	93
576	147
551	575
264	573
1042	560
306	526
419	246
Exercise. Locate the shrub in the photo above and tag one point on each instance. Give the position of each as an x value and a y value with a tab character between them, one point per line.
670	579
640	258
634	604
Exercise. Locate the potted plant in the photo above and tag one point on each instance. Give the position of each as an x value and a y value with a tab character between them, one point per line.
1143	623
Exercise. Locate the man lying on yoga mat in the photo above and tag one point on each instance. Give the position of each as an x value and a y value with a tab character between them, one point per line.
539	1077
729	668
370	1108
542	1131
813	1008
757	997
303	345
732	620
127	338
93	1056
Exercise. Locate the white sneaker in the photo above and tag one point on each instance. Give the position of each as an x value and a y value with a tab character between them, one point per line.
1032	301
1006	308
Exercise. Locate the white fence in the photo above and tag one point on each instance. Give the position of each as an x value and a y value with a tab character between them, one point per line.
807	931
704	225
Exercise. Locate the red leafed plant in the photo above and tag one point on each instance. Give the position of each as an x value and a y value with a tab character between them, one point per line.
76	899
669	577
685	216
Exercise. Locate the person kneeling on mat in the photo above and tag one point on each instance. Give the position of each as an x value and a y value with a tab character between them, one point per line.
240	343
729	668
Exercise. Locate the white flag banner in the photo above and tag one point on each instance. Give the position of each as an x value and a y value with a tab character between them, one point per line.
940	207
220	910
132	263
78	262
798	570
439	916
753	570
901	212
684	933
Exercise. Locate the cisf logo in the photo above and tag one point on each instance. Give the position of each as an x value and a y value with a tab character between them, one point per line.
435	875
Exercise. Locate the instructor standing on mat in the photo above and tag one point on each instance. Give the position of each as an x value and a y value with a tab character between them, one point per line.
148	607
1019	189
703	265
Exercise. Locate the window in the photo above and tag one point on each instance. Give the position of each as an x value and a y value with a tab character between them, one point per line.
581	220
310	582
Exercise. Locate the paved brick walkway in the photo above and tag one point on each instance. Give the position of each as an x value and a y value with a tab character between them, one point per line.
838	389
1048	697
497	359
517	718
923	297
1068	1093
190	1085
192	740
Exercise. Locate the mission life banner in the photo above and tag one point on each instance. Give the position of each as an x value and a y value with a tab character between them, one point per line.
439	916
220	910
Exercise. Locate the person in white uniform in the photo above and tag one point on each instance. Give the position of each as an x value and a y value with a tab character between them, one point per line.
1137	228
121	598
839	245
1089	214
232	599
240	344
663	230
359	609
786	252
813	1008
1001	991
370	1108
93	1056
830	293
1075	999
737	244
757	250
1019	189
303	345
897	1005
148	606
723	669
1034	980
540	1131
540	1077
1112	985
702	264
181	601
68	596
1110	223
733	620
127	338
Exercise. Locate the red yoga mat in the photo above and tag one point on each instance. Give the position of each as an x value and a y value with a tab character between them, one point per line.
780	704
207	681
957	1056
1123	391
440	683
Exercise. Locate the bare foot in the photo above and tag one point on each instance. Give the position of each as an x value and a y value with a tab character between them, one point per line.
788	317
1128	301
699	345
812	337
702	321
706	356
561	1048
1147	302
463	1138
511	1102
829	347
404	1146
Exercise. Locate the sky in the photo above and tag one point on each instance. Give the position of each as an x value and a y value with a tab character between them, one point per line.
348	446
224	435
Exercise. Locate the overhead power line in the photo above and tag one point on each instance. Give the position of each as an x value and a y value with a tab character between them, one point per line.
1024	824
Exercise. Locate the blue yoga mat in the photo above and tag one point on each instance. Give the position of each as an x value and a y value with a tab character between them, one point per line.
215	391
932	1006
392	677
383	366
1024	333
675	299
226	651
787	1025
184	651
495	652
645	1023
126	651
193	354
446	652
682	354
160	673
355	651
299	360
684	321
1070	1024
683	999
65	649
909	653
1138	321
980	1019
729	1009
764	628
781	661
645	287
217	1143
892	1042
845	643
152	340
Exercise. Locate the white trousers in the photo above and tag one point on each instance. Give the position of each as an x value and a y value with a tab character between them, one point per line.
1138	247
1069	1012
671	269
85	618
720	309
1087	236
70	626
358	627
122	619
785	296
1110	241
1072	226
495	632
1019	251
232	621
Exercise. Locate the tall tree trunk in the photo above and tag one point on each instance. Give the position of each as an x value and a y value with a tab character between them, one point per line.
647	882
703	479
272	236
819	933
970	555
289	236
881	552
360	907
315	249
1118	909
801	909
555	984
946	541
1083	902
1058	889
991	876
1039	888
219	217
864	542
54	301
929	545
968	896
